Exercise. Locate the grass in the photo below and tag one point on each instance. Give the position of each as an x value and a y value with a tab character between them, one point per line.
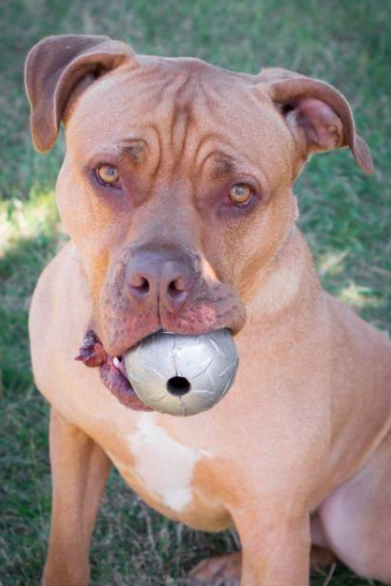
345	216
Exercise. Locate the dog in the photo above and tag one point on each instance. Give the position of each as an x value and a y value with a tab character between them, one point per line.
176	192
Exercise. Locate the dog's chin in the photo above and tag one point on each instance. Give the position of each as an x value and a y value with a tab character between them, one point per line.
112	371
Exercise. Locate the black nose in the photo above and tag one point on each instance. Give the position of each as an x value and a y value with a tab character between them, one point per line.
161	277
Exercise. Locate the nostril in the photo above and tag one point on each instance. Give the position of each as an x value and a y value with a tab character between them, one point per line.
179	285
140	284
173	289
144	286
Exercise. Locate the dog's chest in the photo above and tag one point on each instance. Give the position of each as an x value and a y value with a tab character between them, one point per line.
164	465
163	471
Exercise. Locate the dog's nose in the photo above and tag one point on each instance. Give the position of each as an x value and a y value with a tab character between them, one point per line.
161	277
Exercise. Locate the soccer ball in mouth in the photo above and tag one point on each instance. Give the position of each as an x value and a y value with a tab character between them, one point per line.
182	375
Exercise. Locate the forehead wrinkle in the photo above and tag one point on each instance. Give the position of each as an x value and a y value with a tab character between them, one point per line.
182	120
223	165
180	128
202	146
133	149
155	130
119	147
224	162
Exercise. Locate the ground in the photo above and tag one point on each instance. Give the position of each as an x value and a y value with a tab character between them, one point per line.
344	214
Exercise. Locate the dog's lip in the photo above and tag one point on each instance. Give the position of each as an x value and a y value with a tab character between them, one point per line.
112	371
114	376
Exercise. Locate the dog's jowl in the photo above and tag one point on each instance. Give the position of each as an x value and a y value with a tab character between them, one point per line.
176	192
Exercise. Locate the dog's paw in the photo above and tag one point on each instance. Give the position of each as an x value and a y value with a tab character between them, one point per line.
219	571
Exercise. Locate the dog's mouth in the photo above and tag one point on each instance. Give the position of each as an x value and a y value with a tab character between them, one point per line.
112	371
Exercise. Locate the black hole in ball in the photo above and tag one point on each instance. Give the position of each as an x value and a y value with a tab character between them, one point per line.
178	385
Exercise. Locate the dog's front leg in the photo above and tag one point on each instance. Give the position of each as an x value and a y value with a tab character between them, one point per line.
275	547
79	473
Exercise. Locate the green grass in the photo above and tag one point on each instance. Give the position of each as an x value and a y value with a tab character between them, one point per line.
345	216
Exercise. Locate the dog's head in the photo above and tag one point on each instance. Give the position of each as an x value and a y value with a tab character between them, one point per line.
176	185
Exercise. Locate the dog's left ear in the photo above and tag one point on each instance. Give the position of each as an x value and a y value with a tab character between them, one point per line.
317	114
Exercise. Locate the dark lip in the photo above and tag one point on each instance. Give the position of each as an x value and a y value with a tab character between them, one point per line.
93	355
120	386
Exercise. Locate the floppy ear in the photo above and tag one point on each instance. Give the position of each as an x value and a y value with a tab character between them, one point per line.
318	116
55	67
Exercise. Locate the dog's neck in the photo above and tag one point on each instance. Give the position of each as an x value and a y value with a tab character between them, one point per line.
288	287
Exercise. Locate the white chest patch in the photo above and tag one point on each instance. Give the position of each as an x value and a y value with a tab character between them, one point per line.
163	464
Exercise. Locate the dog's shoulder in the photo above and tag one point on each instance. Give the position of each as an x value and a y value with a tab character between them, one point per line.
58	299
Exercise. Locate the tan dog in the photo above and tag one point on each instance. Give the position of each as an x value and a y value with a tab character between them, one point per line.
176	191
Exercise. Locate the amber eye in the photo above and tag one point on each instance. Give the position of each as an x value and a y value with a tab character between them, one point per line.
107	174
240	193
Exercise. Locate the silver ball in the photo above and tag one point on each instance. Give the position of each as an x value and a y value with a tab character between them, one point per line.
182	375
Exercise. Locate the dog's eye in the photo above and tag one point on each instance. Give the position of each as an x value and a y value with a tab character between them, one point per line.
107	174
240	193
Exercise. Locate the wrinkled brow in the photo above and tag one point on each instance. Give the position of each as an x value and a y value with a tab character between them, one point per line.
132	150
223	166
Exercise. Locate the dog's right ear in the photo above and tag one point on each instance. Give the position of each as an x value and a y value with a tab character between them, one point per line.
56	66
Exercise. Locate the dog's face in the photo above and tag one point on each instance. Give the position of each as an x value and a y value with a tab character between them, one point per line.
164	166
176	185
